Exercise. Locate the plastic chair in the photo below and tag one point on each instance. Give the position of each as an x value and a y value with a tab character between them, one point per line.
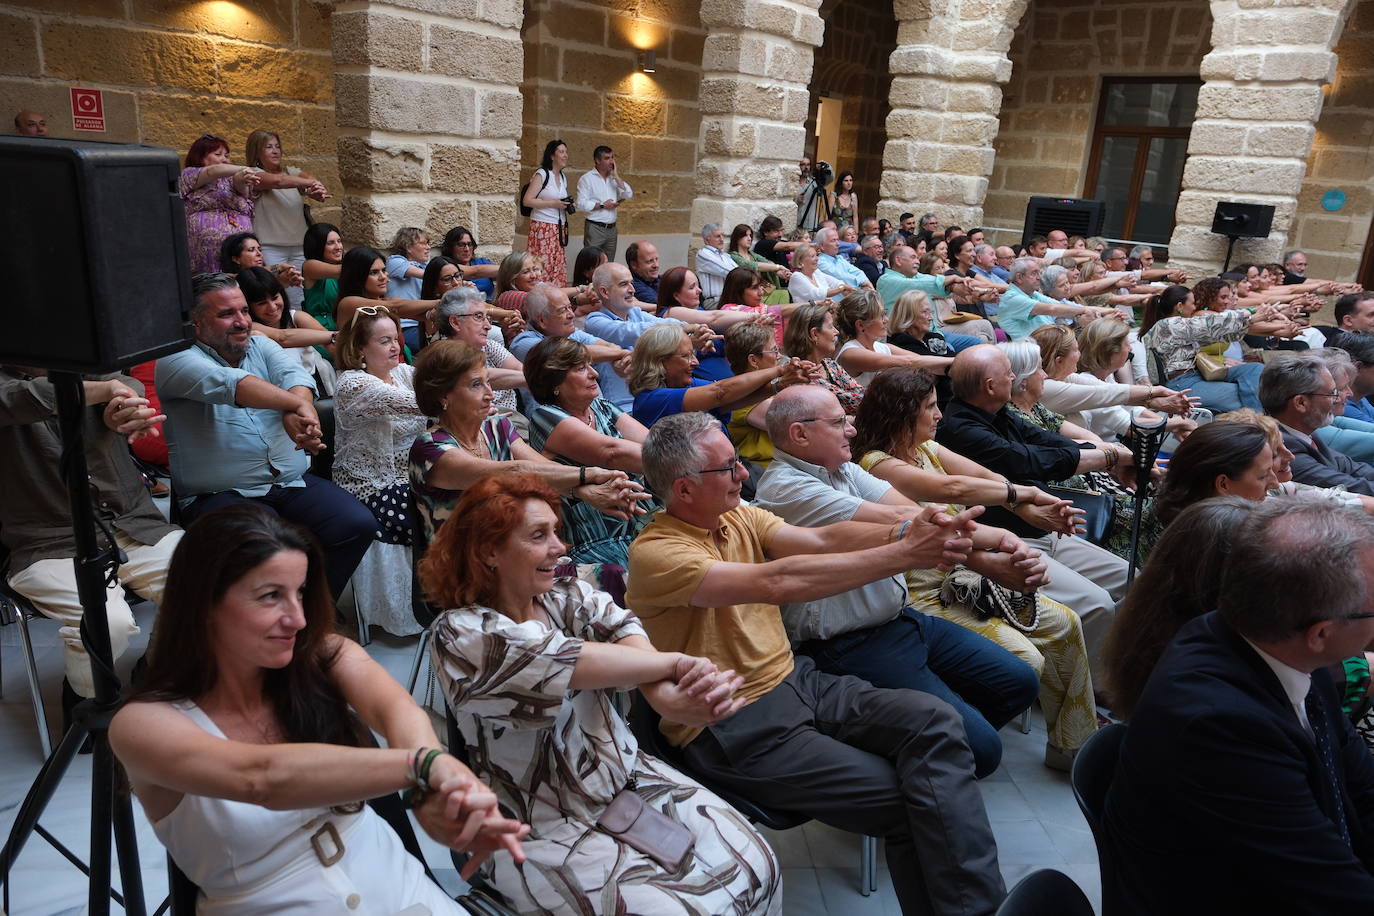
1046	893
644	721
1091	777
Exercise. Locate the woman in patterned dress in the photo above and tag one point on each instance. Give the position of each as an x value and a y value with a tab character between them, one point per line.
897	444
530	662
219	200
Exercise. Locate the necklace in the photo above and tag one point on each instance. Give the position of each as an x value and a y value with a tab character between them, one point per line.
472	447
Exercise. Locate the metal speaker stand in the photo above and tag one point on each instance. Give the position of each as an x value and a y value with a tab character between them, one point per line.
111	810
1145	443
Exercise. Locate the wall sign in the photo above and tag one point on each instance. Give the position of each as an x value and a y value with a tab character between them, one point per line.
88	109
1333	199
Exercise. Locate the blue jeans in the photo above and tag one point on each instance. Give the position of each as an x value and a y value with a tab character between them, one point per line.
1241	388
959	342
986	684
344	527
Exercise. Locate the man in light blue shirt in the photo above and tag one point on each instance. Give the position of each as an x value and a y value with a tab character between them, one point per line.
830	262
240	422
550	314
1023	308
901	276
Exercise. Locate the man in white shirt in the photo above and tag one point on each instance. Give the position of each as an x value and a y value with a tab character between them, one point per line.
599	193
713	263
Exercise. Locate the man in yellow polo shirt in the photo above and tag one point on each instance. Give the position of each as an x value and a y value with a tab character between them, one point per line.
706	578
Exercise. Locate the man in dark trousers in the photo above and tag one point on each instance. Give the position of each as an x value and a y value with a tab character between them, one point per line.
1241	786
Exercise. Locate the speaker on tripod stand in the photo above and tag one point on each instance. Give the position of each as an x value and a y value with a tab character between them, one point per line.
1241	221
93	245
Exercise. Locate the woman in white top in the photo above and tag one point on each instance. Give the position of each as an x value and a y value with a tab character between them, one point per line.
808	282
864	351
1105	347
547	196
377	419
247	739
279	218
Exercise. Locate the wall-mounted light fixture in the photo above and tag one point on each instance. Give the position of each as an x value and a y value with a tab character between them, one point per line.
648	60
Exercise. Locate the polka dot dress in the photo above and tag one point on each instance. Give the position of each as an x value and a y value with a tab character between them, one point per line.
391	508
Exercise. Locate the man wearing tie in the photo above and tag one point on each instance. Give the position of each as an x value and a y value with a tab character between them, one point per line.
1300	393
599	194
1241	786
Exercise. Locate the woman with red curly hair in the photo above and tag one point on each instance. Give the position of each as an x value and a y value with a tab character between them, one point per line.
529	663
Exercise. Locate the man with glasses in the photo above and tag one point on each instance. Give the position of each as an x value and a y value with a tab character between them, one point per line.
869	258
707	576
870	631
551	314
242	426
1239	761
1300	393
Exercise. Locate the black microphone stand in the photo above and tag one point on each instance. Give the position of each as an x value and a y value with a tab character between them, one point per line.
1145	443
111	811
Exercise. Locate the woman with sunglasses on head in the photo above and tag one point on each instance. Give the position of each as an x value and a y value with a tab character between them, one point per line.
248	739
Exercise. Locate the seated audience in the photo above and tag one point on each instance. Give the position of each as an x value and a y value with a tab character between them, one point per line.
550	314
809	283
1300	393
834	265
405	270
1238	760
680	298
661	379
902	277
642	260
467	442
872	631
242	426
771	244
620	321
750	347
585	264
460	246
707	576
1360	347
864	350
249	731
741	251
576	426
1349	435
1353	313
363	282
377	419
324	251
911	327
462	315
869	258
1283	464
529	662
441	275
35	511
294	330
713	261
894	443
1023	307
981	425
811	335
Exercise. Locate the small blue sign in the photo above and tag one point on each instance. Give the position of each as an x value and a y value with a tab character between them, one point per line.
1333	200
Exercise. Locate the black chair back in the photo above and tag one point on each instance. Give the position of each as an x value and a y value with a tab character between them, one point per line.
1046	893
424	612
1091	777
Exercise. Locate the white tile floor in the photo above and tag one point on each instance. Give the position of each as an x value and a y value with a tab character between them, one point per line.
1033	814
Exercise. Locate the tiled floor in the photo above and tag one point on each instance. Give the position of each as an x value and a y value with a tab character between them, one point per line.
1032	810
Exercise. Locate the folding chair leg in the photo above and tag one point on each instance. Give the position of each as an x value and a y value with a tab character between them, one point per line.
415	662
40	716
1025	722
868	865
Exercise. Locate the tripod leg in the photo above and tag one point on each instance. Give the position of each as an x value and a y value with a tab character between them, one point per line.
40	793
102	804
126	846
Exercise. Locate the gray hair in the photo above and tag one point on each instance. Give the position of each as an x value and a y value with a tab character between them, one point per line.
869	238
1138	250
1025	359
791	405
979	249
204	284
1048	277
604	276
709	228
1285	379
457	301
1337	361
823	234
1294	562
1020	266
924	217
1289	255
537	306
673	450
1359	346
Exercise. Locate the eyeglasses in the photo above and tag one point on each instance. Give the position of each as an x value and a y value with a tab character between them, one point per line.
479	317
1333	393
464	244
772	351
839	422
1367	615
733	467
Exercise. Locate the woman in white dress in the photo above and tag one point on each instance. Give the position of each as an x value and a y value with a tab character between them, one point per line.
246	740
808	282
530	662
376	420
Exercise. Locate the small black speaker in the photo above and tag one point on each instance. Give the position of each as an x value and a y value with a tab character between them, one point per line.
93	248
1071	214
1243	221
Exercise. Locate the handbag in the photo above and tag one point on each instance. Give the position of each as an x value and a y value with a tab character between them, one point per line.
987	599
631	820
1098	509
1211	366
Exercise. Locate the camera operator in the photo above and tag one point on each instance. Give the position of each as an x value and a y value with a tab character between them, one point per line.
813	199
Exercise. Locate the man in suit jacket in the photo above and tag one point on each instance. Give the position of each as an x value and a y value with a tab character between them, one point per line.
1241	786
1301	394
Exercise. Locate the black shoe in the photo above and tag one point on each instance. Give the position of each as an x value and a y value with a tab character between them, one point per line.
69	700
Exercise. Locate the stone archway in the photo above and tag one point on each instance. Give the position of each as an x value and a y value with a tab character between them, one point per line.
947	76
1256	118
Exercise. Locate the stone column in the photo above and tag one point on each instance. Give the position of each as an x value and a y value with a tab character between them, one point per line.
428	96
756	67
947	75
1256	117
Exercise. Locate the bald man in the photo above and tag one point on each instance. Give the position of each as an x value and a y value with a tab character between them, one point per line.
31	124
978	426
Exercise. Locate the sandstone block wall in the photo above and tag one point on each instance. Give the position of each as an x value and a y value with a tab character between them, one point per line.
170	72
582	84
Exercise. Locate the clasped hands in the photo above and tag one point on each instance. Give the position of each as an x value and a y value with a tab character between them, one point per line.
130	415
698	694
462	813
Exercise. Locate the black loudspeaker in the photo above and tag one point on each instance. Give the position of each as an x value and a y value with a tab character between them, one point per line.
93	246
1243	221
1074	216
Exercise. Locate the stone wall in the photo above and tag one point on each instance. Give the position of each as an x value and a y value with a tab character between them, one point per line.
1342	158
1059	54
583	84
852	65
170	72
